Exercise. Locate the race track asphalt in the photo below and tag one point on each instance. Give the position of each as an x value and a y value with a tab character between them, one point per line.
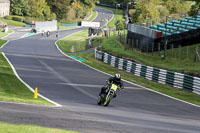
75	86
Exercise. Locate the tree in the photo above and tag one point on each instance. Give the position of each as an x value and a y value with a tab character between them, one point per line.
146	10
194	9
19	7
178	6
40	9
119	25
59	7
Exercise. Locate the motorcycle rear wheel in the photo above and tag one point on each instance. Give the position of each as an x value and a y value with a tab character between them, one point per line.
99	100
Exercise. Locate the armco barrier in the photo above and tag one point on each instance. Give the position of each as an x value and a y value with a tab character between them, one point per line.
174	79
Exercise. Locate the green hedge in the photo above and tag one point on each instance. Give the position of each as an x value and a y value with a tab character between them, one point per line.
16	18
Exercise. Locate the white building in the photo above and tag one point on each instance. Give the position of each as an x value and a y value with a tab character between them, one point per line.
4	7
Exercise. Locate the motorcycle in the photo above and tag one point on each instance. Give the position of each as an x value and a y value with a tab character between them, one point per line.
107	96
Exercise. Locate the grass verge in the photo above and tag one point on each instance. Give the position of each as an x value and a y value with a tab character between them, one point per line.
91	61
177	93
183	64
2	41
11	128
66	27
73	43
11	89
94	14
13	23
2	34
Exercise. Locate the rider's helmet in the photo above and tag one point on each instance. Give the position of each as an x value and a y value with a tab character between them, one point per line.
117	76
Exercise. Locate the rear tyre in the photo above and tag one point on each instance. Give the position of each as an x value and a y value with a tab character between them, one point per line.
99	100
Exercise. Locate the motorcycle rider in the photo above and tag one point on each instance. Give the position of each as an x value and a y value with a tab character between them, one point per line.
113	80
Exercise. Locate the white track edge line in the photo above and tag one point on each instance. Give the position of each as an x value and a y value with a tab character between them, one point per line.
29	104
31	89
95	17
5	44
8	34
126	80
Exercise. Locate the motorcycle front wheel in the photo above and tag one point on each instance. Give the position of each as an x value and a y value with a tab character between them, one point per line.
108	100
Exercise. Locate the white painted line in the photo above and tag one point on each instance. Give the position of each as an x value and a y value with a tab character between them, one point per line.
8	34
94	86
96	15
31	89
128	81
35	105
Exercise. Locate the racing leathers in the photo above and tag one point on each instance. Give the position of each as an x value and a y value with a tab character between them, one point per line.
110	81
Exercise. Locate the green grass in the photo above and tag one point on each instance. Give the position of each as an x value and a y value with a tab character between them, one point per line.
12	128
74	42
118	15
108	43
94	14
3	34
11	89
170	63
66	27
2	41
13	23
177	93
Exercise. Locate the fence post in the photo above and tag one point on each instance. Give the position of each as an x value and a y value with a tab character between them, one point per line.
129	41
187	52
152	48
197	57
172	48
179	50
146	48
132	44
165	48
137	47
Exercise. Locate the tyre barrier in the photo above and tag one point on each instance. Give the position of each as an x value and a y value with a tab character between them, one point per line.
173	79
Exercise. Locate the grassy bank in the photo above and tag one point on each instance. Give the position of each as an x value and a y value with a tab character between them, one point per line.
11	89
73	43
2	41
13	23
94	14
173	63
66	27
11	128
118	15
108	43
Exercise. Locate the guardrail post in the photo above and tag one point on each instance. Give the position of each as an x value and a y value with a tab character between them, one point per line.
159	49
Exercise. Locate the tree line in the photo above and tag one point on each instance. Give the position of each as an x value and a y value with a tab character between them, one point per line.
51	9
151	9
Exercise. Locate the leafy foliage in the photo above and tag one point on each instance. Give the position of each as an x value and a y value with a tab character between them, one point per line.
120	25
19	7
195	8
16	18
40	9
59	7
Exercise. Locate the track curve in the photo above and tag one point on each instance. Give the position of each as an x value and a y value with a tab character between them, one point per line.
76	86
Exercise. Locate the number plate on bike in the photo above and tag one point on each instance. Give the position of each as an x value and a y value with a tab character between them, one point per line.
114	87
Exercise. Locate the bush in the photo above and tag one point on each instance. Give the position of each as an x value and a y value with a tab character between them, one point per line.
16	18
9	17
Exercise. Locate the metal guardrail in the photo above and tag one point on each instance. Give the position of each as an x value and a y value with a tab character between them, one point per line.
173	79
